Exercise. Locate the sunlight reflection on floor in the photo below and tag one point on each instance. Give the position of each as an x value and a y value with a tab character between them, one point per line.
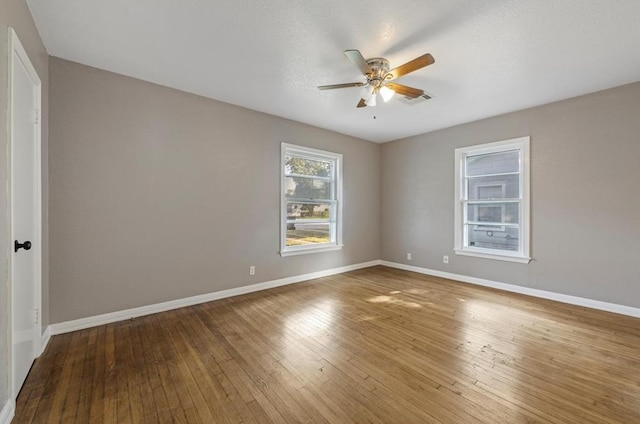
494	355
394	301
314	320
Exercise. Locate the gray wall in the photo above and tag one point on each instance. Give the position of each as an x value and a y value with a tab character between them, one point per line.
584	191
158	194
15	14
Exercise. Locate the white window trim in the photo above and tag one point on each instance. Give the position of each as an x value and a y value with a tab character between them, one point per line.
522	255
315	248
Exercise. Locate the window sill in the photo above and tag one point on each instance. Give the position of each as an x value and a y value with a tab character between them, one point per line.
519	259
304	251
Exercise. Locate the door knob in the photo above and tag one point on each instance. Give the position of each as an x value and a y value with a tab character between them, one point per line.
17	245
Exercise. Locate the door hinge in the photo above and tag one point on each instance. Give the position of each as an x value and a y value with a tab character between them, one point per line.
36	316
36	116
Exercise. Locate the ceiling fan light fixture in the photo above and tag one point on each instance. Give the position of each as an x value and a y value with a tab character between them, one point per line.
366	92
371	101
386	93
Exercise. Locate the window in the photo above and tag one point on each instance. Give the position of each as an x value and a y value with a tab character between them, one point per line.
311	208
492	200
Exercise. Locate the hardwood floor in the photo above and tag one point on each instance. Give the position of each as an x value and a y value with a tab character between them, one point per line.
376	345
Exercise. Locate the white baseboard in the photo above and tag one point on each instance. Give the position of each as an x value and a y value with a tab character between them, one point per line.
82	323
46	336
564	298
7	412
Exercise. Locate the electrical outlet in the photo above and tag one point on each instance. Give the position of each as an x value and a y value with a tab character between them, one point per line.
252	270
408	256
445	259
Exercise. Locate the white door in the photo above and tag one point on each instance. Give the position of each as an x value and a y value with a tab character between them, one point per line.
24	130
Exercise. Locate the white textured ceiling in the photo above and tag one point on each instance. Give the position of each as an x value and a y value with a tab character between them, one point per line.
491	56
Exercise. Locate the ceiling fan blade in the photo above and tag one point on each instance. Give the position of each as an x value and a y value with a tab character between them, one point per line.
414	65
404	90
349	84
361	103
356	57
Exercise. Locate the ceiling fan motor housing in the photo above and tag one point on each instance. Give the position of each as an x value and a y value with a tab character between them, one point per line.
380	68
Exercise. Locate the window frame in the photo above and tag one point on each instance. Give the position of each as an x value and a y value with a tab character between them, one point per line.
522	255
335	224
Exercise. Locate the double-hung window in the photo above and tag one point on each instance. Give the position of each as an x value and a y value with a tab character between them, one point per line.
311	204
492	200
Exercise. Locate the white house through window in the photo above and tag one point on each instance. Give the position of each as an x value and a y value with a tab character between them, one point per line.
491	212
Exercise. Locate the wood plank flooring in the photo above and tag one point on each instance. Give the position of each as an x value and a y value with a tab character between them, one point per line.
376	345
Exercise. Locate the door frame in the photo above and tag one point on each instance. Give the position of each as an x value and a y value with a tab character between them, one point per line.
17	52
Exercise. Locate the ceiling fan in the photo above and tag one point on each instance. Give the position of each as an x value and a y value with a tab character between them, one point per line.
379	77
